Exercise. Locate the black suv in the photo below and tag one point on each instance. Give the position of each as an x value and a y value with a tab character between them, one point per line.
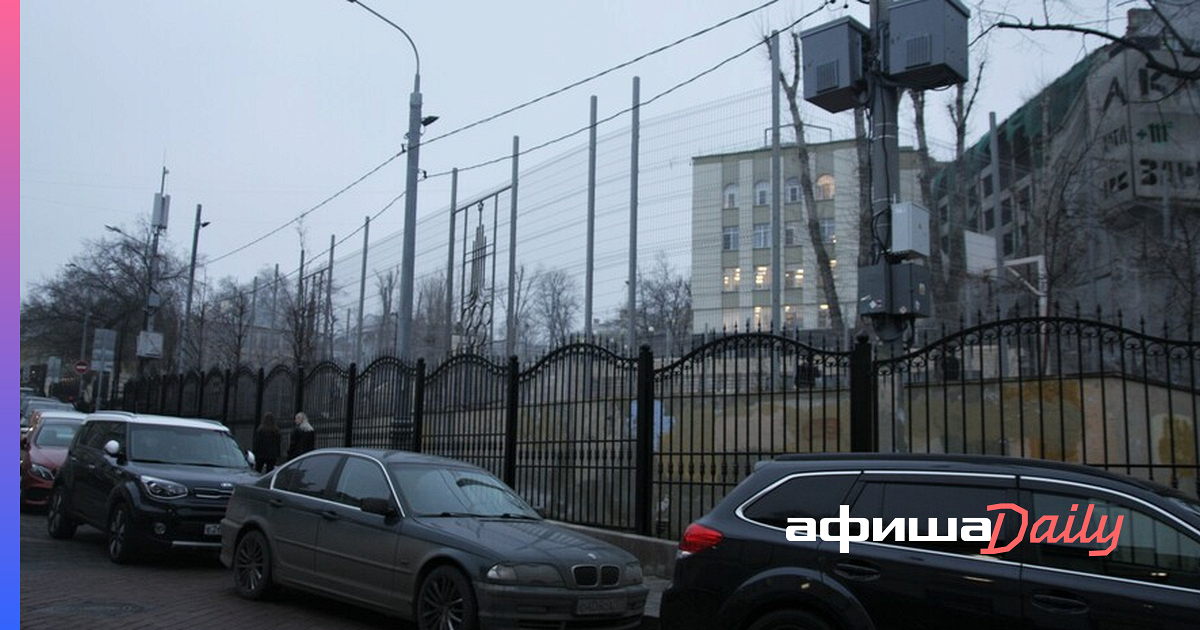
153	483
916	546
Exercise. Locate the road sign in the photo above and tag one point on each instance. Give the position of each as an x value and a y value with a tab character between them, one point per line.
81	367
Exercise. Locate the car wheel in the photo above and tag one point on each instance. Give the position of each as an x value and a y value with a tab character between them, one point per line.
58	522
120	534
445	601
252	566
789	620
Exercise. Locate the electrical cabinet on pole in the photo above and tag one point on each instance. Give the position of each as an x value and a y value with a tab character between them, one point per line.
913	44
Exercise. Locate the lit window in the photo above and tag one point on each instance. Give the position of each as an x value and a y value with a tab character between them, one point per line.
793	190
729	239
730	196
762	235
793	277
825	187
829	230
758	318
789	316
762	277
762	193
731	278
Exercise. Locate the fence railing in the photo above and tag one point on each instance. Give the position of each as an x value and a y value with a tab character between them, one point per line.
647	445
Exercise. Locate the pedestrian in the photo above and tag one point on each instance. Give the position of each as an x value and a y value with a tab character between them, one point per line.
266	444
303	439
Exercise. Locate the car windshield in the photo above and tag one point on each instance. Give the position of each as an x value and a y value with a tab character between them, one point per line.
184	445
55	434
434	491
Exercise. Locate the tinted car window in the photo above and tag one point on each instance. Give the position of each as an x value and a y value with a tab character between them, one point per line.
940	502
101	432
808	496
308	476
361	479
184	445
1148	549
433	491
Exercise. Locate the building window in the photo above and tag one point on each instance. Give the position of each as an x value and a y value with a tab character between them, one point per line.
762	277
987	185
729	239
1008	244
793	277
825	187
829	230
758	318
791	233
762	235
1006	215
989	219
762	193
731	278
730	196
823	316
793	190
789	316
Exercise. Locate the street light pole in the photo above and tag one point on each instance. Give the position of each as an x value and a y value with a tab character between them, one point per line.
408	255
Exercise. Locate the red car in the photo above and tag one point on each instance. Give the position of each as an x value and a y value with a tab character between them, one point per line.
42	453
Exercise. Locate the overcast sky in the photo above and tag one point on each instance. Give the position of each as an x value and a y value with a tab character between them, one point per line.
263	109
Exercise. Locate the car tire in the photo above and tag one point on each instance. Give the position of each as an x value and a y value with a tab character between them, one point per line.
121	544
789	620
446	601
252	566
59	523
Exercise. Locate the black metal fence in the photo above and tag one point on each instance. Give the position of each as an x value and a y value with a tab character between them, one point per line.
647	445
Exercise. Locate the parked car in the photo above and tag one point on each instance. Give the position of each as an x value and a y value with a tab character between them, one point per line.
424	538
34	404
746	565
43	451
153	483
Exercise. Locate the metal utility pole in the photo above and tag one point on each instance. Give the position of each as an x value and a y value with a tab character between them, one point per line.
450	264
329	300
510	337
633	216
187	311
776	196
591	226
362	290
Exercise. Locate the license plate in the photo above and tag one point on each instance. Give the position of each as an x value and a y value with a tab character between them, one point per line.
592	606
212	529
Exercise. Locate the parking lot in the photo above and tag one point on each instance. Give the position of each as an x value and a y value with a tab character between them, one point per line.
72	584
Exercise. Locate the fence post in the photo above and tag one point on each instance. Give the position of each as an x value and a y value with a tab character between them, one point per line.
418	406
225	400
644	455
200	394
179	397
162	395
510	423
351	392
299	390
260	386
864	426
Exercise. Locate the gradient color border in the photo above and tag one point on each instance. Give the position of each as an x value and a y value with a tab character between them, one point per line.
10	261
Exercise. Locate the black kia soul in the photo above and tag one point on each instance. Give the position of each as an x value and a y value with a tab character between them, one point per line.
154	483
1062	546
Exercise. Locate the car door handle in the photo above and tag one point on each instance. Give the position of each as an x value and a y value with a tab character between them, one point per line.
1060	604
330	515
275	503
862	571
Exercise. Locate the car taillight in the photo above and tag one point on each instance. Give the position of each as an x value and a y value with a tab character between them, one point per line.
697	538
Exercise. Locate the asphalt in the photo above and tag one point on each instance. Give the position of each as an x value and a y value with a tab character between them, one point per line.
72	584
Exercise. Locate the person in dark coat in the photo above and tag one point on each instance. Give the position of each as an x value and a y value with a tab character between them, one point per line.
303	439
266	444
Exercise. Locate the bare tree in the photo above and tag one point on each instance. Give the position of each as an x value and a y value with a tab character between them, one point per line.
824	269
229	312
522	311
429	327
665	302
554	304
385	285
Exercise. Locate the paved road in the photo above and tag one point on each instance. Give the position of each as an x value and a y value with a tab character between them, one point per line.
72	584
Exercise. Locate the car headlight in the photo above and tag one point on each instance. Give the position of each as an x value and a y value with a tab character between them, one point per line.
162	488
41	472
531	574
632	573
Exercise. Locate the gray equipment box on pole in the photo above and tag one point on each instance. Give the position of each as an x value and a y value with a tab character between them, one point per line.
910	230
908	294
927	45
833	65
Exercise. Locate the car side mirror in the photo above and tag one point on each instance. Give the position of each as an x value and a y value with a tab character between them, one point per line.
113	448
250	458
374	505
24	443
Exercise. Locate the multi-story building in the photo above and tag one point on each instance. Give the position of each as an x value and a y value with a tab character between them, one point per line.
1097	179
731	236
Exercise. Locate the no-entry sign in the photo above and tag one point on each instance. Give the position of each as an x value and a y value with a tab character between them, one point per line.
81	367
